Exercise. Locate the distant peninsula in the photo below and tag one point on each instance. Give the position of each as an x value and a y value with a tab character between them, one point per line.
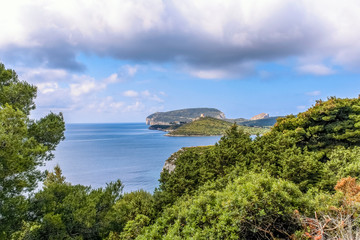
182	116
205	122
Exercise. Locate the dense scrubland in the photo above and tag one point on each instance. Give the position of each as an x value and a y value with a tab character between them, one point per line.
208	126
297	181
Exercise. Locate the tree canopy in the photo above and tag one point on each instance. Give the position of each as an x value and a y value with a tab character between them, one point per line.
24	145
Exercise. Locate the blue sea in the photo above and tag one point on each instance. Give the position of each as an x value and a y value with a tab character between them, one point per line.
96	154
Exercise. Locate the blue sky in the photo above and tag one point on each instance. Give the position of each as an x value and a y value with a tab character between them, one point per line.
121	60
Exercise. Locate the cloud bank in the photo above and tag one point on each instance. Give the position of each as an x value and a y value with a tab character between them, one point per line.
212	39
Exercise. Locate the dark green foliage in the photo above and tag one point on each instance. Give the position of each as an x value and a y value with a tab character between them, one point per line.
49	130
184	179
343	162
19	95
65	211
24	145
335	122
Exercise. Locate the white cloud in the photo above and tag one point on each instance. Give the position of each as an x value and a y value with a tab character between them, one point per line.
47	87
136	107
209	74
84	87
78	96
113	78
316	69
156	98
153	97
146	93
42	74
131	70
130	93
106	105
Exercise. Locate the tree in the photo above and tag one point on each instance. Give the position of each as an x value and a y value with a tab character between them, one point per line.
24	146
64	211
335	122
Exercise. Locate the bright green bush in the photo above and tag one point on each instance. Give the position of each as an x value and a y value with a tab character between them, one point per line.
253	206
128	208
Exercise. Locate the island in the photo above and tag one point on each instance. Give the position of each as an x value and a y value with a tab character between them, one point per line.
206	122
182	116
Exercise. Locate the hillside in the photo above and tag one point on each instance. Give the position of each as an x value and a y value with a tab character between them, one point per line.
182	116
208	126
266	122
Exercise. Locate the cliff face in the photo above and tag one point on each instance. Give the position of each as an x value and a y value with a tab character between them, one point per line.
169	164
182	116
260	116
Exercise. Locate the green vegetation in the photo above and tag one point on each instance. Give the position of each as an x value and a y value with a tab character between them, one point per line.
208	126
297	181
24	145
202	127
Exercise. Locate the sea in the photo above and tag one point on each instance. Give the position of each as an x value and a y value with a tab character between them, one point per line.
96	154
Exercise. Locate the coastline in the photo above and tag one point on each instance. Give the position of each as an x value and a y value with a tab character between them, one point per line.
168	135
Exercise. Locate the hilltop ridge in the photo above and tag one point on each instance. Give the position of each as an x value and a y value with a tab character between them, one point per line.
208	126
182	116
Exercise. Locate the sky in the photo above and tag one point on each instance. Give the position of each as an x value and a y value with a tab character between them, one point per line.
121	60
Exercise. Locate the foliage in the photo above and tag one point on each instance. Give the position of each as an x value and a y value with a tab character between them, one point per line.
335	122
128	208
282	154
202	127
253	206
18	94
208	126
343	162
135	227
336	222
196	166
64	211
24	145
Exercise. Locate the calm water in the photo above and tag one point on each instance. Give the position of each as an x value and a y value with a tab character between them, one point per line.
95	154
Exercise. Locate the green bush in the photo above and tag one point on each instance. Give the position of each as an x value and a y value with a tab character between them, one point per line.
252	206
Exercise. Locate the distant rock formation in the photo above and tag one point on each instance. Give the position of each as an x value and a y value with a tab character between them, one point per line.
182	116
260	116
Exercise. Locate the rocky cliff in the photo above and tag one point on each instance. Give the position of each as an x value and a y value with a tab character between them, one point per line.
260	116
